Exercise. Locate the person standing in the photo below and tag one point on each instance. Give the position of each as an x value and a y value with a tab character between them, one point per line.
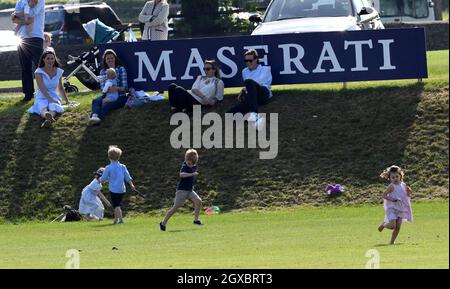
31	46
155	17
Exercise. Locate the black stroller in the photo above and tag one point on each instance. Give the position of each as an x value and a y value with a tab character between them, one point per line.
87	66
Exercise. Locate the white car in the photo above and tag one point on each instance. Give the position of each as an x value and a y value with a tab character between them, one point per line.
8	41
296	16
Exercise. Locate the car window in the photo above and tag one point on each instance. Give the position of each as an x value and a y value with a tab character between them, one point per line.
290	9
54	20
107	16
397	8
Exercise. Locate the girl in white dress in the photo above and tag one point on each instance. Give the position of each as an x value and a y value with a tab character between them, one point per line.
48	101
91	199
397	202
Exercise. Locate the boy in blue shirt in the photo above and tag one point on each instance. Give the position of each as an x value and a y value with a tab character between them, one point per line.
185	188
116	174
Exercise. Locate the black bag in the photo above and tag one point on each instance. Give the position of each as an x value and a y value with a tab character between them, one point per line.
71	215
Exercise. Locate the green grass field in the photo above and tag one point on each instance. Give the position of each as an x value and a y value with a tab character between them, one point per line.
300	237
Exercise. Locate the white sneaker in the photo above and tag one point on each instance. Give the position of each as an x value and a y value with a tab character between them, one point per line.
157	93
260	123
94	120
253	117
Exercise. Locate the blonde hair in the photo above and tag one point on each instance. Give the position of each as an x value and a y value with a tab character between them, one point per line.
114	153
191	156
111	73
48	34
386	174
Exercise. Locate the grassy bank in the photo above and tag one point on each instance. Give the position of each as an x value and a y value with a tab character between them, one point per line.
326	135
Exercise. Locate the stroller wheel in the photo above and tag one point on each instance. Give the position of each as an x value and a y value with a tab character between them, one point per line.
71	88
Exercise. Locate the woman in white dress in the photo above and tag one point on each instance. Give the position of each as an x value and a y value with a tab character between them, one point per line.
91	205
48	99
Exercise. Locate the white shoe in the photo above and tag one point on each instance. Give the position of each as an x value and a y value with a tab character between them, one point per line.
253	117
157	93
94	120
260	124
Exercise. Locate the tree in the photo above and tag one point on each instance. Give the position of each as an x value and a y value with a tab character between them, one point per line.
212	17
200	17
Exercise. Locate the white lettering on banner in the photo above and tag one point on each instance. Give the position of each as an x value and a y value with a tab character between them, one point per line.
143	60
328	55
295	60
195	60
386	54
228	62
262	59
358	53
293	55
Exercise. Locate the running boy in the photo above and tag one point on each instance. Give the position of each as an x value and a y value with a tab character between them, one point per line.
185	188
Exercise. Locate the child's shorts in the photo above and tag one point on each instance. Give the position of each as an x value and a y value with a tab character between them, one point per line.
182	196
116	199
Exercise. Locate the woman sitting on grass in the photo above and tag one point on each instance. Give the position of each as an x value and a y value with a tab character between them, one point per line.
206	90
102	105
48	102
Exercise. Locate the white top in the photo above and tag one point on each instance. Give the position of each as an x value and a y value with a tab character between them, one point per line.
111	95
90	203
211	87
92	190
261	74
51	84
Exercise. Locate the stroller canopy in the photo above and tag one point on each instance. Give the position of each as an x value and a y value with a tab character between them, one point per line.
99	31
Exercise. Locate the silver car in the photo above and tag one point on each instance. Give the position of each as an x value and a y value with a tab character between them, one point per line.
296	16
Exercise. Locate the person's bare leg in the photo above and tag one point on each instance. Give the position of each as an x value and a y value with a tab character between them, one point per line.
197	208
391	225
396	231
381	227
119	215
169	215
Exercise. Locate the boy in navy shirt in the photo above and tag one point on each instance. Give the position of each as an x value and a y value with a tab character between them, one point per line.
185	188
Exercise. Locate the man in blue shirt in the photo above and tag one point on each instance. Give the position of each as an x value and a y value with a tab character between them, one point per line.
32	45
257	90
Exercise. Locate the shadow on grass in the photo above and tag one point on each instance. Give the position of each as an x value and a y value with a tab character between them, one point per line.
30	160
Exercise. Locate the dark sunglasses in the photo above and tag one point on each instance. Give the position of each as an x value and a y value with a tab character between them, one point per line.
208	68
249	60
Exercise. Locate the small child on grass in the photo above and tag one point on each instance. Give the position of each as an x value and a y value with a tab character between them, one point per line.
185	189
397	202
116	174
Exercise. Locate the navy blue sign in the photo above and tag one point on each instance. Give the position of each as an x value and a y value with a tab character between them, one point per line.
294	58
